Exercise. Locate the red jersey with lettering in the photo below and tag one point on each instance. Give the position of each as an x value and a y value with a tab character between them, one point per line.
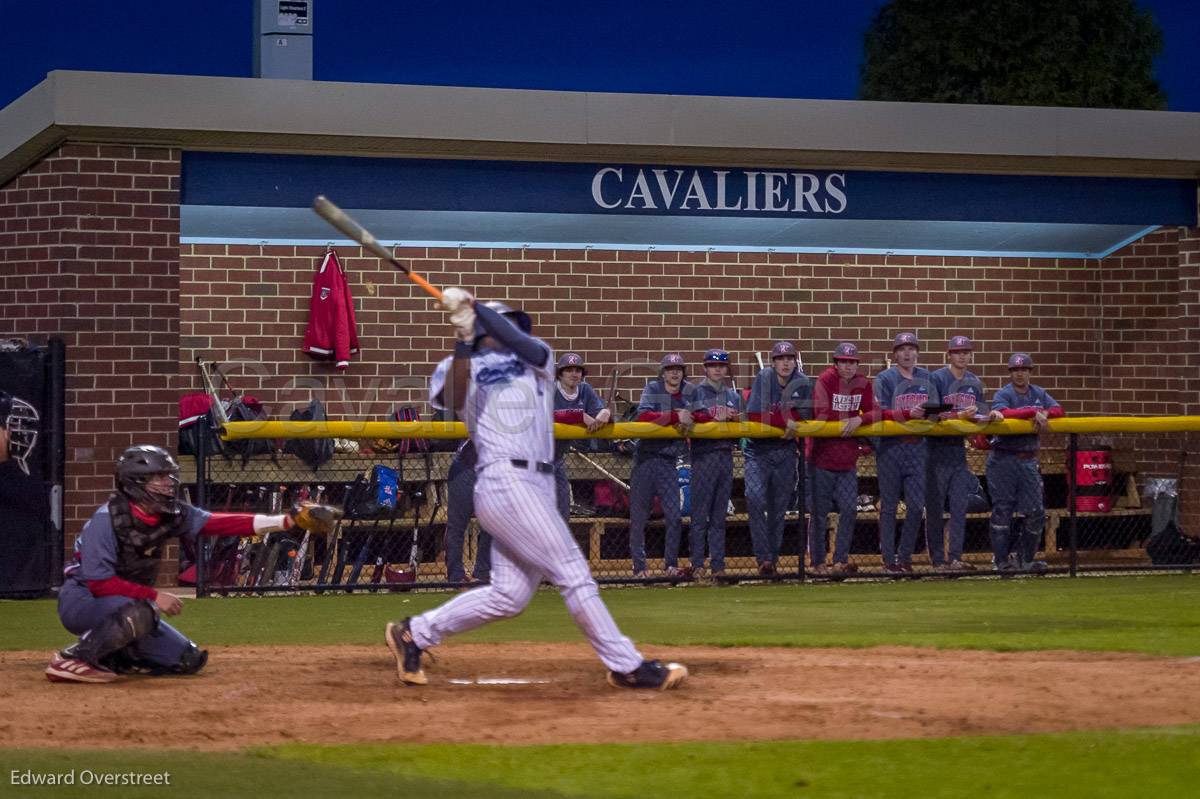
835	400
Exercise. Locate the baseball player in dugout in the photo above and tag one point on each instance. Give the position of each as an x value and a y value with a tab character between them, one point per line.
501	381
781	396
664	401
902	391
713	400
460	497
1013	478
575	402
842	394
108	597
950	478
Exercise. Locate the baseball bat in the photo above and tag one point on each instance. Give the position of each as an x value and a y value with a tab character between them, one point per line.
335	216
604	471
758	355
218	410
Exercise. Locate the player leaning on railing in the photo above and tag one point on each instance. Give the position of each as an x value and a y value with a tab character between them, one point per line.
1013	477
108	597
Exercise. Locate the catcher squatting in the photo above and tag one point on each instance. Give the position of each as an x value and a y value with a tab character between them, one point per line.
107	597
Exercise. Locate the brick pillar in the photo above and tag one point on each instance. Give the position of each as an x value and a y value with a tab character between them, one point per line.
1189	354
90	243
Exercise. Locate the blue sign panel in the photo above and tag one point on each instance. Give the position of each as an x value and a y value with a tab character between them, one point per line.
291	181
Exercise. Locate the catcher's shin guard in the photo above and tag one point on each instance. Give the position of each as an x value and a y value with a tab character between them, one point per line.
124	626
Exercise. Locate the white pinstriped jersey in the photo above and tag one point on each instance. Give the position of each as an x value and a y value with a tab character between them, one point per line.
509	410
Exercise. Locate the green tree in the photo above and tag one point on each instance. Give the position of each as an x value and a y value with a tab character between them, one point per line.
1089	53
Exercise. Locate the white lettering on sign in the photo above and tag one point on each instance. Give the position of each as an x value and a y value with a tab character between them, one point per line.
713	190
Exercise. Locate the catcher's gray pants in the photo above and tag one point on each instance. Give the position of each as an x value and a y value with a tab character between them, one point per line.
653	477
460	494
837	491
1015	485
712	483
532	543
562	489
80	611
901	468
949	479
770	484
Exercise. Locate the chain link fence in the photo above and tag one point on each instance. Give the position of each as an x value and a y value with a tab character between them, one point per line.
735	511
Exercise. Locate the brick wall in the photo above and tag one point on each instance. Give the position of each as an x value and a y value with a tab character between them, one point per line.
89	239
248	305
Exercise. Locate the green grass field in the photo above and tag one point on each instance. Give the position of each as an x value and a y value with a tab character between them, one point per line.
1156	615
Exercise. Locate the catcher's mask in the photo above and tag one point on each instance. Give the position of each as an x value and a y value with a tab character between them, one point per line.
21	420
137	466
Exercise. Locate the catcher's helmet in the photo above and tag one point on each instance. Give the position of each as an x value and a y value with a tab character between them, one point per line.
514	315
568	360
21	420
136	466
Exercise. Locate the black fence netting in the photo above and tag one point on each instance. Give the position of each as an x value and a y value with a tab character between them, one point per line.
710	510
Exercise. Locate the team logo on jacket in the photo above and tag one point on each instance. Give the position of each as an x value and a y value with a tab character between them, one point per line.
904	402
325	293
846	402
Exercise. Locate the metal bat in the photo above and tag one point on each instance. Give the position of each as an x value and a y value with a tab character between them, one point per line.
605	472
302	552
218	409
356	232
761	365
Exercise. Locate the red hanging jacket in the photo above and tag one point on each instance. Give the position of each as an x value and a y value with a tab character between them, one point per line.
331	331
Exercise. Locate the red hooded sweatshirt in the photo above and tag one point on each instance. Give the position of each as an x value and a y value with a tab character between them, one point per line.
835	400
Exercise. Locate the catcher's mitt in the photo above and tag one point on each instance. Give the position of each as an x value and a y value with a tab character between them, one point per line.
315	518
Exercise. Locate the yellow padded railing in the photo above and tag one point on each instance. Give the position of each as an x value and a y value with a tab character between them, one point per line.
363	429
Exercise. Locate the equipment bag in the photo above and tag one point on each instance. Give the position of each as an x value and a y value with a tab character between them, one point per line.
381	494
192	409
312	451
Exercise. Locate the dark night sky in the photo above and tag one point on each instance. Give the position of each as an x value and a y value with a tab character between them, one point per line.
753	48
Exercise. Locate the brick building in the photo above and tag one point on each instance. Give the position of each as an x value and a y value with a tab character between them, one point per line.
103	246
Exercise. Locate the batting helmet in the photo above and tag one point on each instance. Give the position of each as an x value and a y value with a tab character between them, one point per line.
136	466
959	343
671	359
21	420
569	359
716	355
783	348
1020	360
514	315
902	339
846	351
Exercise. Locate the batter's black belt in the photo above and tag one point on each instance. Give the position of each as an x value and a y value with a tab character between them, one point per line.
541	466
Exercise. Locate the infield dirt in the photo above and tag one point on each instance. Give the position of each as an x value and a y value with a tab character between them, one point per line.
264	695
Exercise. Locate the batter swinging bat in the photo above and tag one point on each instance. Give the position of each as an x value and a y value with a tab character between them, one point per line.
356	232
